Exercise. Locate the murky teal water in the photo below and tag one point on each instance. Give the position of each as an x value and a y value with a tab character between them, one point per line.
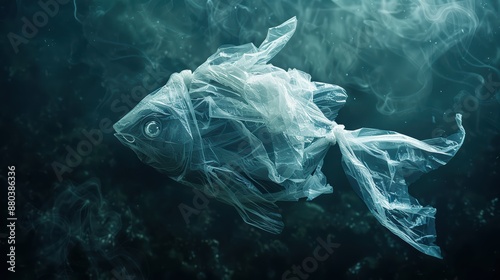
87	208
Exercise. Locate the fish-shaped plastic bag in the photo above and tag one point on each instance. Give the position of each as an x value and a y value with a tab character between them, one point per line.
251	134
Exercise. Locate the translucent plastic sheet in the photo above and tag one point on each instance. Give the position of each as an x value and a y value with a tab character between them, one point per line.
250	134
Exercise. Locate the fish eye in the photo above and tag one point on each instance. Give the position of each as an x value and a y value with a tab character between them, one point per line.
152	128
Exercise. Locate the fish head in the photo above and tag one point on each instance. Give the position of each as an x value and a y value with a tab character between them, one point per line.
159	132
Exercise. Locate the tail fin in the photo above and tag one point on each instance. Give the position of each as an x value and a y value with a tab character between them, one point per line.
380	166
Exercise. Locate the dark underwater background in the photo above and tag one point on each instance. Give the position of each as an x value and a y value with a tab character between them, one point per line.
87	208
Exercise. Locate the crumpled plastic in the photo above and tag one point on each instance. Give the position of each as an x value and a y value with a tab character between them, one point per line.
251	134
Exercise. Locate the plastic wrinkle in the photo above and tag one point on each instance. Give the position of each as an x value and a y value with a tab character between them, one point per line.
331	136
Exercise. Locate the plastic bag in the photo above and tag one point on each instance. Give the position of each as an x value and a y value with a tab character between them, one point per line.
250	134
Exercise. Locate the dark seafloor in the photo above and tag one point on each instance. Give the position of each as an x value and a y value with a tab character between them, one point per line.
406	65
